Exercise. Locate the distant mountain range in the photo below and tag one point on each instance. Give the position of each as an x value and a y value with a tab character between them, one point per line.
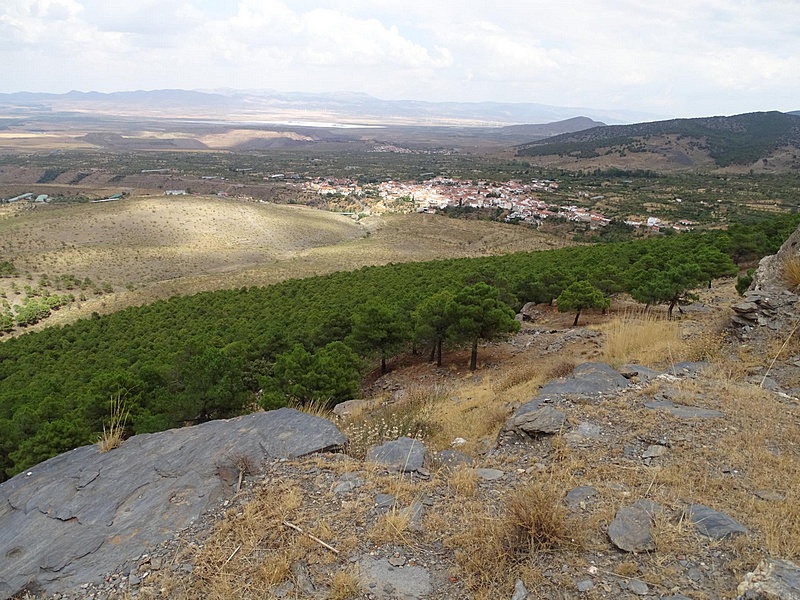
736	140
267	104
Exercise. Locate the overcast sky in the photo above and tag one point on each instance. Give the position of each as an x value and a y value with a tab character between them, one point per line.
683	58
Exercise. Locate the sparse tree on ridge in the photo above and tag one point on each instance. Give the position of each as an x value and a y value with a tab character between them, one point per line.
579	296
378	328
432	322
477	313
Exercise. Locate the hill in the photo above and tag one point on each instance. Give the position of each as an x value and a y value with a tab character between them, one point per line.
142	249
547	130
740	140
262	105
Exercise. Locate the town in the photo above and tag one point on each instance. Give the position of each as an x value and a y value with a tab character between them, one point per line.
518	201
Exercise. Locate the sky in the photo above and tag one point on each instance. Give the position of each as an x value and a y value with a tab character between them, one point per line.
676	58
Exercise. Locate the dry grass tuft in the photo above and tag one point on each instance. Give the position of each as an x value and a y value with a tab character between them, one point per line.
113	435
537	520
561	369
392	527
641	337
791	272
315	408
627	569
514	377
463	480
493	543
250	551
344	585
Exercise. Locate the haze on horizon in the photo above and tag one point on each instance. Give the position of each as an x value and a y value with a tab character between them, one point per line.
685	58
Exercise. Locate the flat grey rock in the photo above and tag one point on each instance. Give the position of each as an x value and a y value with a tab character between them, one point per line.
542	420
403	454
385	502
585	585
770	495
530	406
631	530
654	451
347	484
684	412
587	379
714	524
638	587
579	495
74	518
490	474
773	579
409	583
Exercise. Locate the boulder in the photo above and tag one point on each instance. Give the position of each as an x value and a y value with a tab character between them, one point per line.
403	454
76	517
542	420
489	474
769	303
529	312
350	408
631	530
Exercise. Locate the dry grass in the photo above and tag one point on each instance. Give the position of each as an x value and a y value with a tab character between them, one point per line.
537	521
791	272
463	481
252	550
114	433
641	337
344	584
392	527
494	541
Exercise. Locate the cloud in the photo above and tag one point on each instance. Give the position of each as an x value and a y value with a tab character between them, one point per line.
684	56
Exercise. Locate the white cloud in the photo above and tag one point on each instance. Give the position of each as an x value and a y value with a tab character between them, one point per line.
684	57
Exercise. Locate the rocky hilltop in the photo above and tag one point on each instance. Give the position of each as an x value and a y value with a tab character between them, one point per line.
603	477
75	517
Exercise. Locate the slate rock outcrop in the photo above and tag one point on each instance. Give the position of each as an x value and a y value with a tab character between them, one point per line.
587	379
537	416
769	302
75	517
